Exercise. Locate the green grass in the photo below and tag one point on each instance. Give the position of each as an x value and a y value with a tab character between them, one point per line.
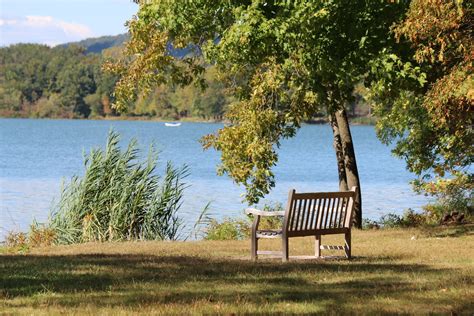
394	271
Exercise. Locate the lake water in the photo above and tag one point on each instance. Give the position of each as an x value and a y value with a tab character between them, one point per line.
35	155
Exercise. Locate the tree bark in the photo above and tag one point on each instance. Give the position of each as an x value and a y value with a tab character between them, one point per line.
341	168
352	174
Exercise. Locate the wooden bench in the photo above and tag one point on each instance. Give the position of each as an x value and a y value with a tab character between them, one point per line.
308	214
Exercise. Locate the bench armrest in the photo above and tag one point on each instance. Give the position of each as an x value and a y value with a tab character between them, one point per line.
254	211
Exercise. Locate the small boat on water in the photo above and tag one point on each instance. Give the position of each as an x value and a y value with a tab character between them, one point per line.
172	124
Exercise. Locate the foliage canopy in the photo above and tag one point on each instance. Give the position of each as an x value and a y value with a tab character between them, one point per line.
284	61
425	99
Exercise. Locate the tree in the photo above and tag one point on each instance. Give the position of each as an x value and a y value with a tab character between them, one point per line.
425	95
284	61
37	80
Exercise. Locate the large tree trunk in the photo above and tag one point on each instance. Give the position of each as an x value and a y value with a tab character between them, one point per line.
352	175
341	168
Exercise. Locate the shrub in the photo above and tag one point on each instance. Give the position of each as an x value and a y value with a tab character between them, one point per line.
370	224
410	218
413	219
120	198
453	195
229	229
40	235
37	236
391	220
238	229
17	241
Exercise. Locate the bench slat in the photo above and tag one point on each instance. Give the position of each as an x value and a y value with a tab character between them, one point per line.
292	214
300	215
343	212
335	214
331	214
313	212
321	214
305	214
333	211
318	218
331	247
347	215
295	226
326	213
309	212
320	195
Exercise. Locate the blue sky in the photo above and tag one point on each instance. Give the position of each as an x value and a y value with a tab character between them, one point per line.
54	22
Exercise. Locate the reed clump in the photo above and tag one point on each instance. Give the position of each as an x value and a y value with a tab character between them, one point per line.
120	198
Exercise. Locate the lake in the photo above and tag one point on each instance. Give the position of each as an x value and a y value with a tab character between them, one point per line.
36	155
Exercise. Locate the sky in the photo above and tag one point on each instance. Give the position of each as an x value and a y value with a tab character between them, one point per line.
54	22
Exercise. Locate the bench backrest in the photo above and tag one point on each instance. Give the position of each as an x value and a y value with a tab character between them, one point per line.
308	212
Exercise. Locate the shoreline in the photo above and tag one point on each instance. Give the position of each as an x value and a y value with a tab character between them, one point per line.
356	121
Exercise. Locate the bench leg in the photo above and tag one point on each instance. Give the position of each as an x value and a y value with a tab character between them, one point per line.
254	248
347	248
285	249
317	246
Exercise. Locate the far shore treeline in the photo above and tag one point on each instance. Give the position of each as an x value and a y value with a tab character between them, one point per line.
67	81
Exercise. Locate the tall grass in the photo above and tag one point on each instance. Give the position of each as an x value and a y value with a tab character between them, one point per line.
120	198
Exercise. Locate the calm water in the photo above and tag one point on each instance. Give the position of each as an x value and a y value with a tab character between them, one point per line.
35	155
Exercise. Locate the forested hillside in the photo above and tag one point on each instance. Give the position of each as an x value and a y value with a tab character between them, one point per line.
67	81
39	81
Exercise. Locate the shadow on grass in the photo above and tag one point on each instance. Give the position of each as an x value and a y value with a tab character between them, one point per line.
134	280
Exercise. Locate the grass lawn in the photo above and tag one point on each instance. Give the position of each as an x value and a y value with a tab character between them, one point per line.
393	271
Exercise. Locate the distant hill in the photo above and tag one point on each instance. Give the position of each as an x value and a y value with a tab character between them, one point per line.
98	44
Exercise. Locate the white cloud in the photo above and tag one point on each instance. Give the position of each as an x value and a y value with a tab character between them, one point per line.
7	22
41	29
73	29
39	21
